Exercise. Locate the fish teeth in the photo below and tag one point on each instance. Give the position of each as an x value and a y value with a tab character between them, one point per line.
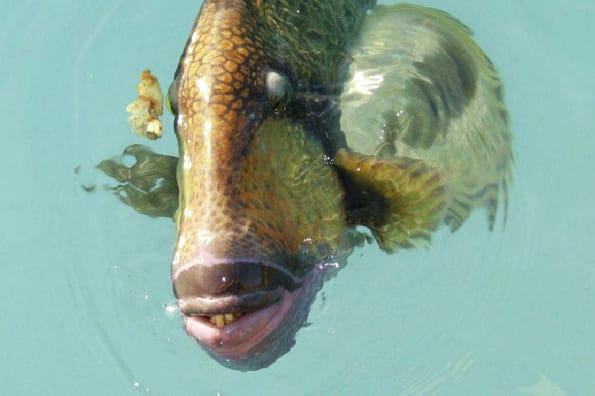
224	319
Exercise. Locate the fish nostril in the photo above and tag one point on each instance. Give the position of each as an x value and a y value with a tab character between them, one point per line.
229	278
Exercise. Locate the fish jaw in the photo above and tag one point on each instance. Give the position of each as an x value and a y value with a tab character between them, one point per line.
259	338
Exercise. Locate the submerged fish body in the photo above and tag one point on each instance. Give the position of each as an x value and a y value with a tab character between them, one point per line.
298	121
422	94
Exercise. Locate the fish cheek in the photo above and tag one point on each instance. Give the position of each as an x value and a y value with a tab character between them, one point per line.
294	197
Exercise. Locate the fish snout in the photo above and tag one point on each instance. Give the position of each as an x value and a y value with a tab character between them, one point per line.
235	286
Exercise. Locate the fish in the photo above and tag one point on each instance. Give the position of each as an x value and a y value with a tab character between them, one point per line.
300	123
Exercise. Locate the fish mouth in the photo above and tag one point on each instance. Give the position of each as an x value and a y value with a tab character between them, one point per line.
224	306
235	335
245	313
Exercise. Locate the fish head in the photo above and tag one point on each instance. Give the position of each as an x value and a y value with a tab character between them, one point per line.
261	215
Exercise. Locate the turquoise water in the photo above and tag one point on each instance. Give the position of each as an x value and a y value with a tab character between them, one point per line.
85	281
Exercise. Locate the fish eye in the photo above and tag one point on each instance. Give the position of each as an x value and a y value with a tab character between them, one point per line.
278	87
171	100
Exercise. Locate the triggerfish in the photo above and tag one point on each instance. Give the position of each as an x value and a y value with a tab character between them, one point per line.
298	121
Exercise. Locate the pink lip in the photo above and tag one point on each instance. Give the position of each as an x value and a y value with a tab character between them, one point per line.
239	337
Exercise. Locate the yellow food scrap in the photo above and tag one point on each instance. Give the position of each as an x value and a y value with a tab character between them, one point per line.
145	111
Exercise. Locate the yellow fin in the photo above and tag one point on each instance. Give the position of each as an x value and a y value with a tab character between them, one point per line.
401	200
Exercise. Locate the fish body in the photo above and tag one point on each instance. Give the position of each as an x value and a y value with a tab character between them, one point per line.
298	121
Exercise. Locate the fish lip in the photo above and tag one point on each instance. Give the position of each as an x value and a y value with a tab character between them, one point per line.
236	340
208	260
236	303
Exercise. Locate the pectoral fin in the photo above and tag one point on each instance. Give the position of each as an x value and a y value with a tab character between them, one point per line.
401	200
149	186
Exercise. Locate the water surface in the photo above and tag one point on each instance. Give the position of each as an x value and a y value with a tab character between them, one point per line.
85	280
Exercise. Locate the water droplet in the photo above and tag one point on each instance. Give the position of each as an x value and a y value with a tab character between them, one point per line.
171	309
